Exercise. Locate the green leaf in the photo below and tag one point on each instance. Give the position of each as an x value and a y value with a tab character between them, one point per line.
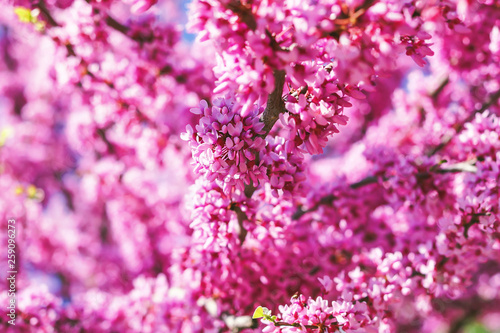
23	14
4	135
26	15
258	313
475	327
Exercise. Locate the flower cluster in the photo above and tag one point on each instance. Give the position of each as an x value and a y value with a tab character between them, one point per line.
316	111
345	165
356	40
225	145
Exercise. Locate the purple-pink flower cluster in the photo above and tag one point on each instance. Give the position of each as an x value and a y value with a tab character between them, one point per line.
225	145
341	169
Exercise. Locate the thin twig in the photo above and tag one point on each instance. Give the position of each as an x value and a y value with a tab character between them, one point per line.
112	23
460	126
275	105
102	134
463	320
328	199
365	181
241	218
440	88
65	191
244	13
43	8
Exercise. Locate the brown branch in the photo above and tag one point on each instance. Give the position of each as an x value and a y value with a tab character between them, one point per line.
365	181
70	49
460	126
102	134
275	105
463	320
241	218
440	88
473	220
244	13
43	9
458	167
112	23
65	191
282	323
328	199
348	18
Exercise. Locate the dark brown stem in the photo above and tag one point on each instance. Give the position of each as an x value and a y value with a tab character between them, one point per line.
43	9
365	181
441	87
244	13
241	218
48	17
112	23
102	134
458	167
70	50
65	191
474	220
349	17
282	323
328	199
275	105
460	126
462	321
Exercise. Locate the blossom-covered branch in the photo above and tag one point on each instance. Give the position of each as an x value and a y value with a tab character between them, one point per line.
329	166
